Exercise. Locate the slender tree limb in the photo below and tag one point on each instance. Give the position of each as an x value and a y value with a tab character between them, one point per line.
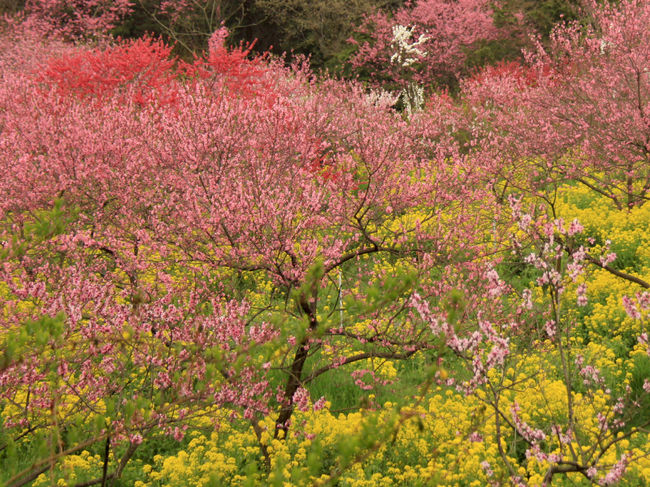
361	356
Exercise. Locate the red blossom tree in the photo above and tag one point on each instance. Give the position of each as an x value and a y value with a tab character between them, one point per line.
145	70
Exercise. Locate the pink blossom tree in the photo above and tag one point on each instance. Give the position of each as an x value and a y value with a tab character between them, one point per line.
104	338
74	19
138	235
348	174
592	416
584	116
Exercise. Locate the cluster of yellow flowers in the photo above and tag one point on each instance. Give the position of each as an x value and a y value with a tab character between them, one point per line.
74	469
448	440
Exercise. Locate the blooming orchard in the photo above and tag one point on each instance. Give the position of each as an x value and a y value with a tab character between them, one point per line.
232	271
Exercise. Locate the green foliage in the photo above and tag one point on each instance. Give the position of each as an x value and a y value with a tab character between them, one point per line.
493	51
44	225
379	294
32	335
539	16
640	374
518	20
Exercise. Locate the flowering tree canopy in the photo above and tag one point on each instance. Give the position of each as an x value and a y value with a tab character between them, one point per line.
580	110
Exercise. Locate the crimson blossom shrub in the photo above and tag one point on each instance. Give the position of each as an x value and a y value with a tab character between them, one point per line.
145	69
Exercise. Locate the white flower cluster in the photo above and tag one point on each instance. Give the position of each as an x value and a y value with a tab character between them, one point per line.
603	46
406	52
